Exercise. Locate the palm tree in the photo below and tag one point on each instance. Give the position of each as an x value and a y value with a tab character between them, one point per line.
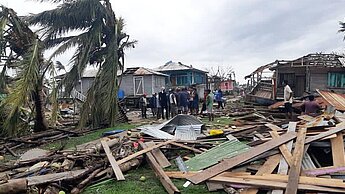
21	49
100	43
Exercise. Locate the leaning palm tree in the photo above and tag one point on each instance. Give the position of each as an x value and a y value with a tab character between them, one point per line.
100	42
21	49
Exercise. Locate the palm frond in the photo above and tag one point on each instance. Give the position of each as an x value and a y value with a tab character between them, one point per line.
23	87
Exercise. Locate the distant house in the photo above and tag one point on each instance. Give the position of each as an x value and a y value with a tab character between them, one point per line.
182	75
227	85
137	81
304	75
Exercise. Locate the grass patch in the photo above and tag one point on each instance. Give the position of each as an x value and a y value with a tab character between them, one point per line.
74	141
218	121
152	185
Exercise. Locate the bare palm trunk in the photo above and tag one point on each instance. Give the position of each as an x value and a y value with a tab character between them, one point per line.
41	123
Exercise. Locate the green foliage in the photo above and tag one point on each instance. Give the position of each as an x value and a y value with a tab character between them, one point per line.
101	43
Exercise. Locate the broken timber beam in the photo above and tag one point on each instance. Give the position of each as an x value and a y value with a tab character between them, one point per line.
295	169
186	147
267	168
112	161
338	153
159	156
163	177
147	149
231	162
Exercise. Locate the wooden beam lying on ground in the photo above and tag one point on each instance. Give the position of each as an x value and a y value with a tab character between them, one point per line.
267	168
231	162
270	184
159	156
324	170
148	149
338	153
284	164
186	147
340	127
165	180
112	161
295	169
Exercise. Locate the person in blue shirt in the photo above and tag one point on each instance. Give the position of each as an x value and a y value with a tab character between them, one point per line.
219	98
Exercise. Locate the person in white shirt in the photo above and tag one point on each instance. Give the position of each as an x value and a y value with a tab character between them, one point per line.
287	100
173	102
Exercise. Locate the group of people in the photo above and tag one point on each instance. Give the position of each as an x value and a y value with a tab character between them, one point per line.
178	101
309	107
168	104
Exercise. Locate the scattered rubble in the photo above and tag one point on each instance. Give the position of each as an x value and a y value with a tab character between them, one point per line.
255	152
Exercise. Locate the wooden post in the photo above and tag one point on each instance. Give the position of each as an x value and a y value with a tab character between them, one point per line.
163	177
112	161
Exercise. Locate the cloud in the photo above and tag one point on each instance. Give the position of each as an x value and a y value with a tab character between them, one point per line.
241	34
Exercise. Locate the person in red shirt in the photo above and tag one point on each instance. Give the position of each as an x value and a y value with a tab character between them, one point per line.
311	107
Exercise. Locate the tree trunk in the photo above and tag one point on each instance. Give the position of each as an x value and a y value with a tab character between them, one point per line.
41	123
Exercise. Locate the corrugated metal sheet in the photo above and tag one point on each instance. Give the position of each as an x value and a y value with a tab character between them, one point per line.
307	163
186	132
334	99
155	131
227	149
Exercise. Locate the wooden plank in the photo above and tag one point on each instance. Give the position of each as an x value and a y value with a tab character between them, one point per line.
325	182
36	180
184	175
340	127
324	170
141	152
283	149
272	184
295	169
231	162
284	164
338	153
159	156
163	177
112	161
267	168
186	147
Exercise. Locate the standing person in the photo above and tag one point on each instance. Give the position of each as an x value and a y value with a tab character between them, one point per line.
159	108
153	104
196	101
219	99
209	105
163	100
311	107
143	106
184	101
203	108
191	100
287	100
178	100
173	103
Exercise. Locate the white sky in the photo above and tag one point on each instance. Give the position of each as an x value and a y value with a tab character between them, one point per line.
205	33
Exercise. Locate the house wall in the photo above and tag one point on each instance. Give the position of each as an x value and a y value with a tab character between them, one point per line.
151	83
185	78
85	84
127	85
227	85
319	79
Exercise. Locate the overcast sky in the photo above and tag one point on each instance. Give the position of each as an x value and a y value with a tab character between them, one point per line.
243	34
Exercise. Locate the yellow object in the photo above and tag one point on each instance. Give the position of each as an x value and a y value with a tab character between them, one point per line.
216	131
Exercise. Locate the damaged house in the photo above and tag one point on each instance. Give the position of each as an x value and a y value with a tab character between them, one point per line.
304	75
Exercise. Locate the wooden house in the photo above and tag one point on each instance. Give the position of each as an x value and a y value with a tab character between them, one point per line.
183	75
137	81
310	72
